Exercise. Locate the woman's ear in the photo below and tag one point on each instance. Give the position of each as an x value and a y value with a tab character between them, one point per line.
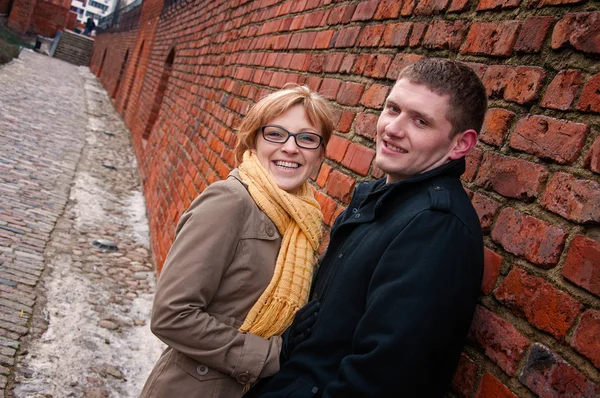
463	144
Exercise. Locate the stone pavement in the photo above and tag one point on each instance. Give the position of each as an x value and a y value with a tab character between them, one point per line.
73	318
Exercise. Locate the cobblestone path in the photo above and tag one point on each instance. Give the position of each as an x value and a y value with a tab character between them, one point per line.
73	318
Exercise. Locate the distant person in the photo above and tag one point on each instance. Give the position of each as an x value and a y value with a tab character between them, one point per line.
89	27
243	256
395	293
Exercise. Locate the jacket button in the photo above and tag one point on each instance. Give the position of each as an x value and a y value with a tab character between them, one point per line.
438	188
354	210
270	230
357	215
202	370
243	378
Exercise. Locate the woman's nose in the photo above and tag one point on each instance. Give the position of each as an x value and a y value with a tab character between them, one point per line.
290	145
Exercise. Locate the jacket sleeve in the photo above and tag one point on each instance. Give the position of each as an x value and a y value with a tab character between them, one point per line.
419	305
206	240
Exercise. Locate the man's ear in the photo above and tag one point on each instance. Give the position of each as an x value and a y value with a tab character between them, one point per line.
463	144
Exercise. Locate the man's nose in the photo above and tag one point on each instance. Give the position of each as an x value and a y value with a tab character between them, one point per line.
396	127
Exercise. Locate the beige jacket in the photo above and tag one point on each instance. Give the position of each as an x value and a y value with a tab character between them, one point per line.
222	259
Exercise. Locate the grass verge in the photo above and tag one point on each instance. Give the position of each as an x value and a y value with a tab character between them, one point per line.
9	45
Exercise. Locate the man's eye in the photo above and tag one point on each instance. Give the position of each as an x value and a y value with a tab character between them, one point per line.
421	122
393	109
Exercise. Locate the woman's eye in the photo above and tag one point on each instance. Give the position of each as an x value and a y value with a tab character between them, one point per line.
274	134
307	138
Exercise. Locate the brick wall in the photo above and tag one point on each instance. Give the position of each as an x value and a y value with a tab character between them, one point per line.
48	18
5	6
20	15
533	179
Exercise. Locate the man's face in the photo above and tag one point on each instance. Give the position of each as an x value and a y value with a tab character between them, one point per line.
413	134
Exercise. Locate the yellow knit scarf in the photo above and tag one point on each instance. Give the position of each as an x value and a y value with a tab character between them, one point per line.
299	220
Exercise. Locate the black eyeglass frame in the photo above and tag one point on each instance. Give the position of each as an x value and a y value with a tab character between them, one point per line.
262	129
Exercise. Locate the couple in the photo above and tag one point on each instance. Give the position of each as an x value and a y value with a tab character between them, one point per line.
394	294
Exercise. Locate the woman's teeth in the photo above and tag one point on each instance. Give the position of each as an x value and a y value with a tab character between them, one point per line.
289	165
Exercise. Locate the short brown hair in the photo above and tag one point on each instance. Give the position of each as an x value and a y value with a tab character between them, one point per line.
275	104
468	97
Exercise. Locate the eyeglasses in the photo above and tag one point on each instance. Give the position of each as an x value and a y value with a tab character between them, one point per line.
279	135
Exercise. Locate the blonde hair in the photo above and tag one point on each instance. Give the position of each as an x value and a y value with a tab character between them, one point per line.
275	104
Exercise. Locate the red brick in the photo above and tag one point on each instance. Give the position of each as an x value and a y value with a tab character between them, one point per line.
546	137
575	199
497	4
345	121
548	375
358	158
586	339
348	63
491	387
496	126
375	96
323	39
396	35
523	235
445	35
543	306
333	61
592	160
316	62
340	186
388	9
545	3
400	62
329	88
511	177
590	96
504	34
341	14
463	381
418	31
492	262
350	93
486	209
496	78
365	10
533	34
407	7
582	266
580	30
459	6
366	125
430	7
323	175
313	82
473	159
336	148
370	36
502	343
347	37
563	89
328	207
524	85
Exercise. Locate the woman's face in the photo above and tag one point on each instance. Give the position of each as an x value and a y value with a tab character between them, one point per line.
288	164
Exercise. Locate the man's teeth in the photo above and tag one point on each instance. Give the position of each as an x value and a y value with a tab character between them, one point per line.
394	148
289	165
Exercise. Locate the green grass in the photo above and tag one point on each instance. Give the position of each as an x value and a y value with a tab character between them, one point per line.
9	45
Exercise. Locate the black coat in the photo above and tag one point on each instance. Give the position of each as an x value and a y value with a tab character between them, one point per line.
398	287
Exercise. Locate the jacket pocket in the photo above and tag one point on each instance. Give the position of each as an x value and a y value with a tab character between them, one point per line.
197	370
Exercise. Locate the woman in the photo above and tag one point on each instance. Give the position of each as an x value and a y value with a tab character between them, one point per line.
242	260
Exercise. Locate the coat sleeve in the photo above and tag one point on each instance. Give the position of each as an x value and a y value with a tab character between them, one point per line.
419	306
206	240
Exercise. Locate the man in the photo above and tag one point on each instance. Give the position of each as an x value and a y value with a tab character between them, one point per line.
395	293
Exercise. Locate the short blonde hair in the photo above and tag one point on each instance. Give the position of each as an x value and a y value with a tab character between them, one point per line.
274	104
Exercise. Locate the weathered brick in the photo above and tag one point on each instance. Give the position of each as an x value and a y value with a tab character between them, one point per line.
511	177
473	159
523	235
346	37
375	96
365	10
496	126
366	125
396	35
459	6
496	78
323	175
448	35
400	62
491	387
340	186
544	3
491	38
328	207
539	302
590	95
345	121
388	9
417	33
358	158
575	199
323	39
370	36
375	65
348	63
350	93
580	30
407	7
486	209
563	89
430	7
524	85
548	375
336	148
330	87
492	262
497	4
582	266
533	33
592	160
549	138
341	14
463	381
502	343
586	339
